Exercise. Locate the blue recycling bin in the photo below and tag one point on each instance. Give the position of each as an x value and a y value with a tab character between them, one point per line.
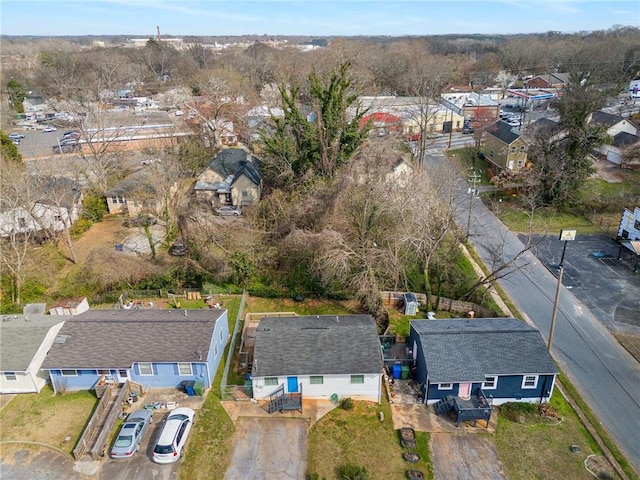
397	371
189	388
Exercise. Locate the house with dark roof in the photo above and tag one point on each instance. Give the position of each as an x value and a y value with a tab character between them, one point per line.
136	193
623	133
505	147
500	359
156	348
24	342
549	80
318	357
233	177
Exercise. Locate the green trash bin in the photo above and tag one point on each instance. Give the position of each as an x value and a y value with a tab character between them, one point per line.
405	372
198	388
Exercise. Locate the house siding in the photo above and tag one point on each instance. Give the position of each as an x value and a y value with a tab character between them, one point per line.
243	184
509	389
339	384
501	154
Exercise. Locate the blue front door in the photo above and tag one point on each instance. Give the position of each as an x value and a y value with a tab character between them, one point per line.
292	384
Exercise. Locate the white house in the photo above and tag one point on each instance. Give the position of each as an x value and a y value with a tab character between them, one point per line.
56	209
69	306
318	357
629	228
24	343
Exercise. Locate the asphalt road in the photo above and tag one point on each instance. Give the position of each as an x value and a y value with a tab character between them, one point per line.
603	372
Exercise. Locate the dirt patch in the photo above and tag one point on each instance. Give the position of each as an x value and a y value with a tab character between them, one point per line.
608	172
631	342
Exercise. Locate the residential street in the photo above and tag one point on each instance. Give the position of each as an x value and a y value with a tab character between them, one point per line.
604	373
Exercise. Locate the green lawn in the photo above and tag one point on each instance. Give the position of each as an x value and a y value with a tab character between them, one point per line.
545	221
47	418
360	438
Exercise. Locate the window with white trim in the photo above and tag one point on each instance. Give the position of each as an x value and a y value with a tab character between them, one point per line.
445	386
10	376
271	381
103	372
145	368
316	379
490	382
184	369
357	378
69	373
530	381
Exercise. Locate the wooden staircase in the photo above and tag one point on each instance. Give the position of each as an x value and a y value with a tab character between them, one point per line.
283	402
445	405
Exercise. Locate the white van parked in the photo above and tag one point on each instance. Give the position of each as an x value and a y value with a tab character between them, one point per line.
175	431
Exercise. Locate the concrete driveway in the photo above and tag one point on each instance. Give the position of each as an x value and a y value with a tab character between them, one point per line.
269	449
140	465
36	463
468	457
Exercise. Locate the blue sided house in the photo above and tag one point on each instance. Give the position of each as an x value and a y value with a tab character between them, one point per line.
156	348
475	363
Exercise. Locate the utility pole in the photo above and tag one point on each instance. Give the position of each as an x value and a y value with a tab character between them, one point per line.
565	236
474	178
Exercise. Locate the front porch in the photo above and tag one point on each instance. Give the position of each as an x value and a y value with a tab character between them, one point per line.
474	408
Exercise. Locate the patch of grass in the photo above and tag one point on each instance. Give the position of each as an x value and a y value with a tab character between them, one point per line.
343	437
545	221
305	307
543	448
47	418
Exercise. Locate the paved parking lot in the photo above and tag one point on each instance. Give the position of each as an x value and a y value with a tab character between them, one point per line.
606	286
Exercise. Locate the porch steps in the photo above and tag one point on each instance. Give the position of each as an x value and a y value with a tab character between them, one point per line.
444	406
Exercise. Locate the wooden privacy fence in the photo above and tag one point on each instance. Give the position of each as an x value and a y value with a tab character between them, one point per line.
447	304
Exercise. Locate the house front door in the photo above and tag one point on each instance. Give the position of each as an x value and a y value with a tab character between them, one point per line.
292	384
123	376
464	390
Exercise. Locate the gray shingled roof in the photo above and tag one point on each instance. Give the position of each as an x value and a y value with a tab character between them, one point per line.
504	132
100	339
624	139
317	345
21	337
465	350
605	118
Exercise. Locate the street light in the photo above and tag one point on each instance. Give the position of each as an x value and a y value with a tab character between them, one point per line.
565	236
474	178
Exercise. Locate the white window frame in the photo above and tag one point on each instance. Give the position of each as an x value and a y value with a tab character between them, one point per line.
445	386
524	381
495	382
316	380
183	364
10	376
271	381
63	374
357	379
144	374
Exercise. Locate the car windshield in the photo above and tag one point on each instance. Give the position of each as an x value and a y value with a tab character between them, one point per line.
123	441
179	417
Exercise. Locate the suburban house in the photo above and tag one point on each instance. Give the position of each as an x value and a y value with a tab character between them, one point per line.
623	133
500	359
153	347
69	306
549	80
505	147
54	209
317	357
382	124
232	178
629	228
137	193
24	343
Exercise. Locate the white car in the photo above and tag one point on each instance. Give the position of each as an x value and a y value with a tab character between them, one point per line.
173	436
178	113
49	129
227	210
16	136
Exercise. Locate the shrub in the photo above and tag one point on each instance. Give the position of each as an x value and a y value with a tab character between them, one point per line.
353	472
346	403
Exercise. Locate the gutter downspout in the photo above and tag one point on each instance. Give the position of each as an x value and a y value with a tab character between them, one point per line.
35	385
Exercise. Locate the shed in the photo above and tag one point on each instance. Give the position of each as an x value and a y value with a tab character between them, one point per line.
410	303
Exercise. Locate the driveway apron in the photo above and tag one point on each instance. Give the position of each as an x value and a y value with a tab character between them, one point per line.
269	449
468	457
